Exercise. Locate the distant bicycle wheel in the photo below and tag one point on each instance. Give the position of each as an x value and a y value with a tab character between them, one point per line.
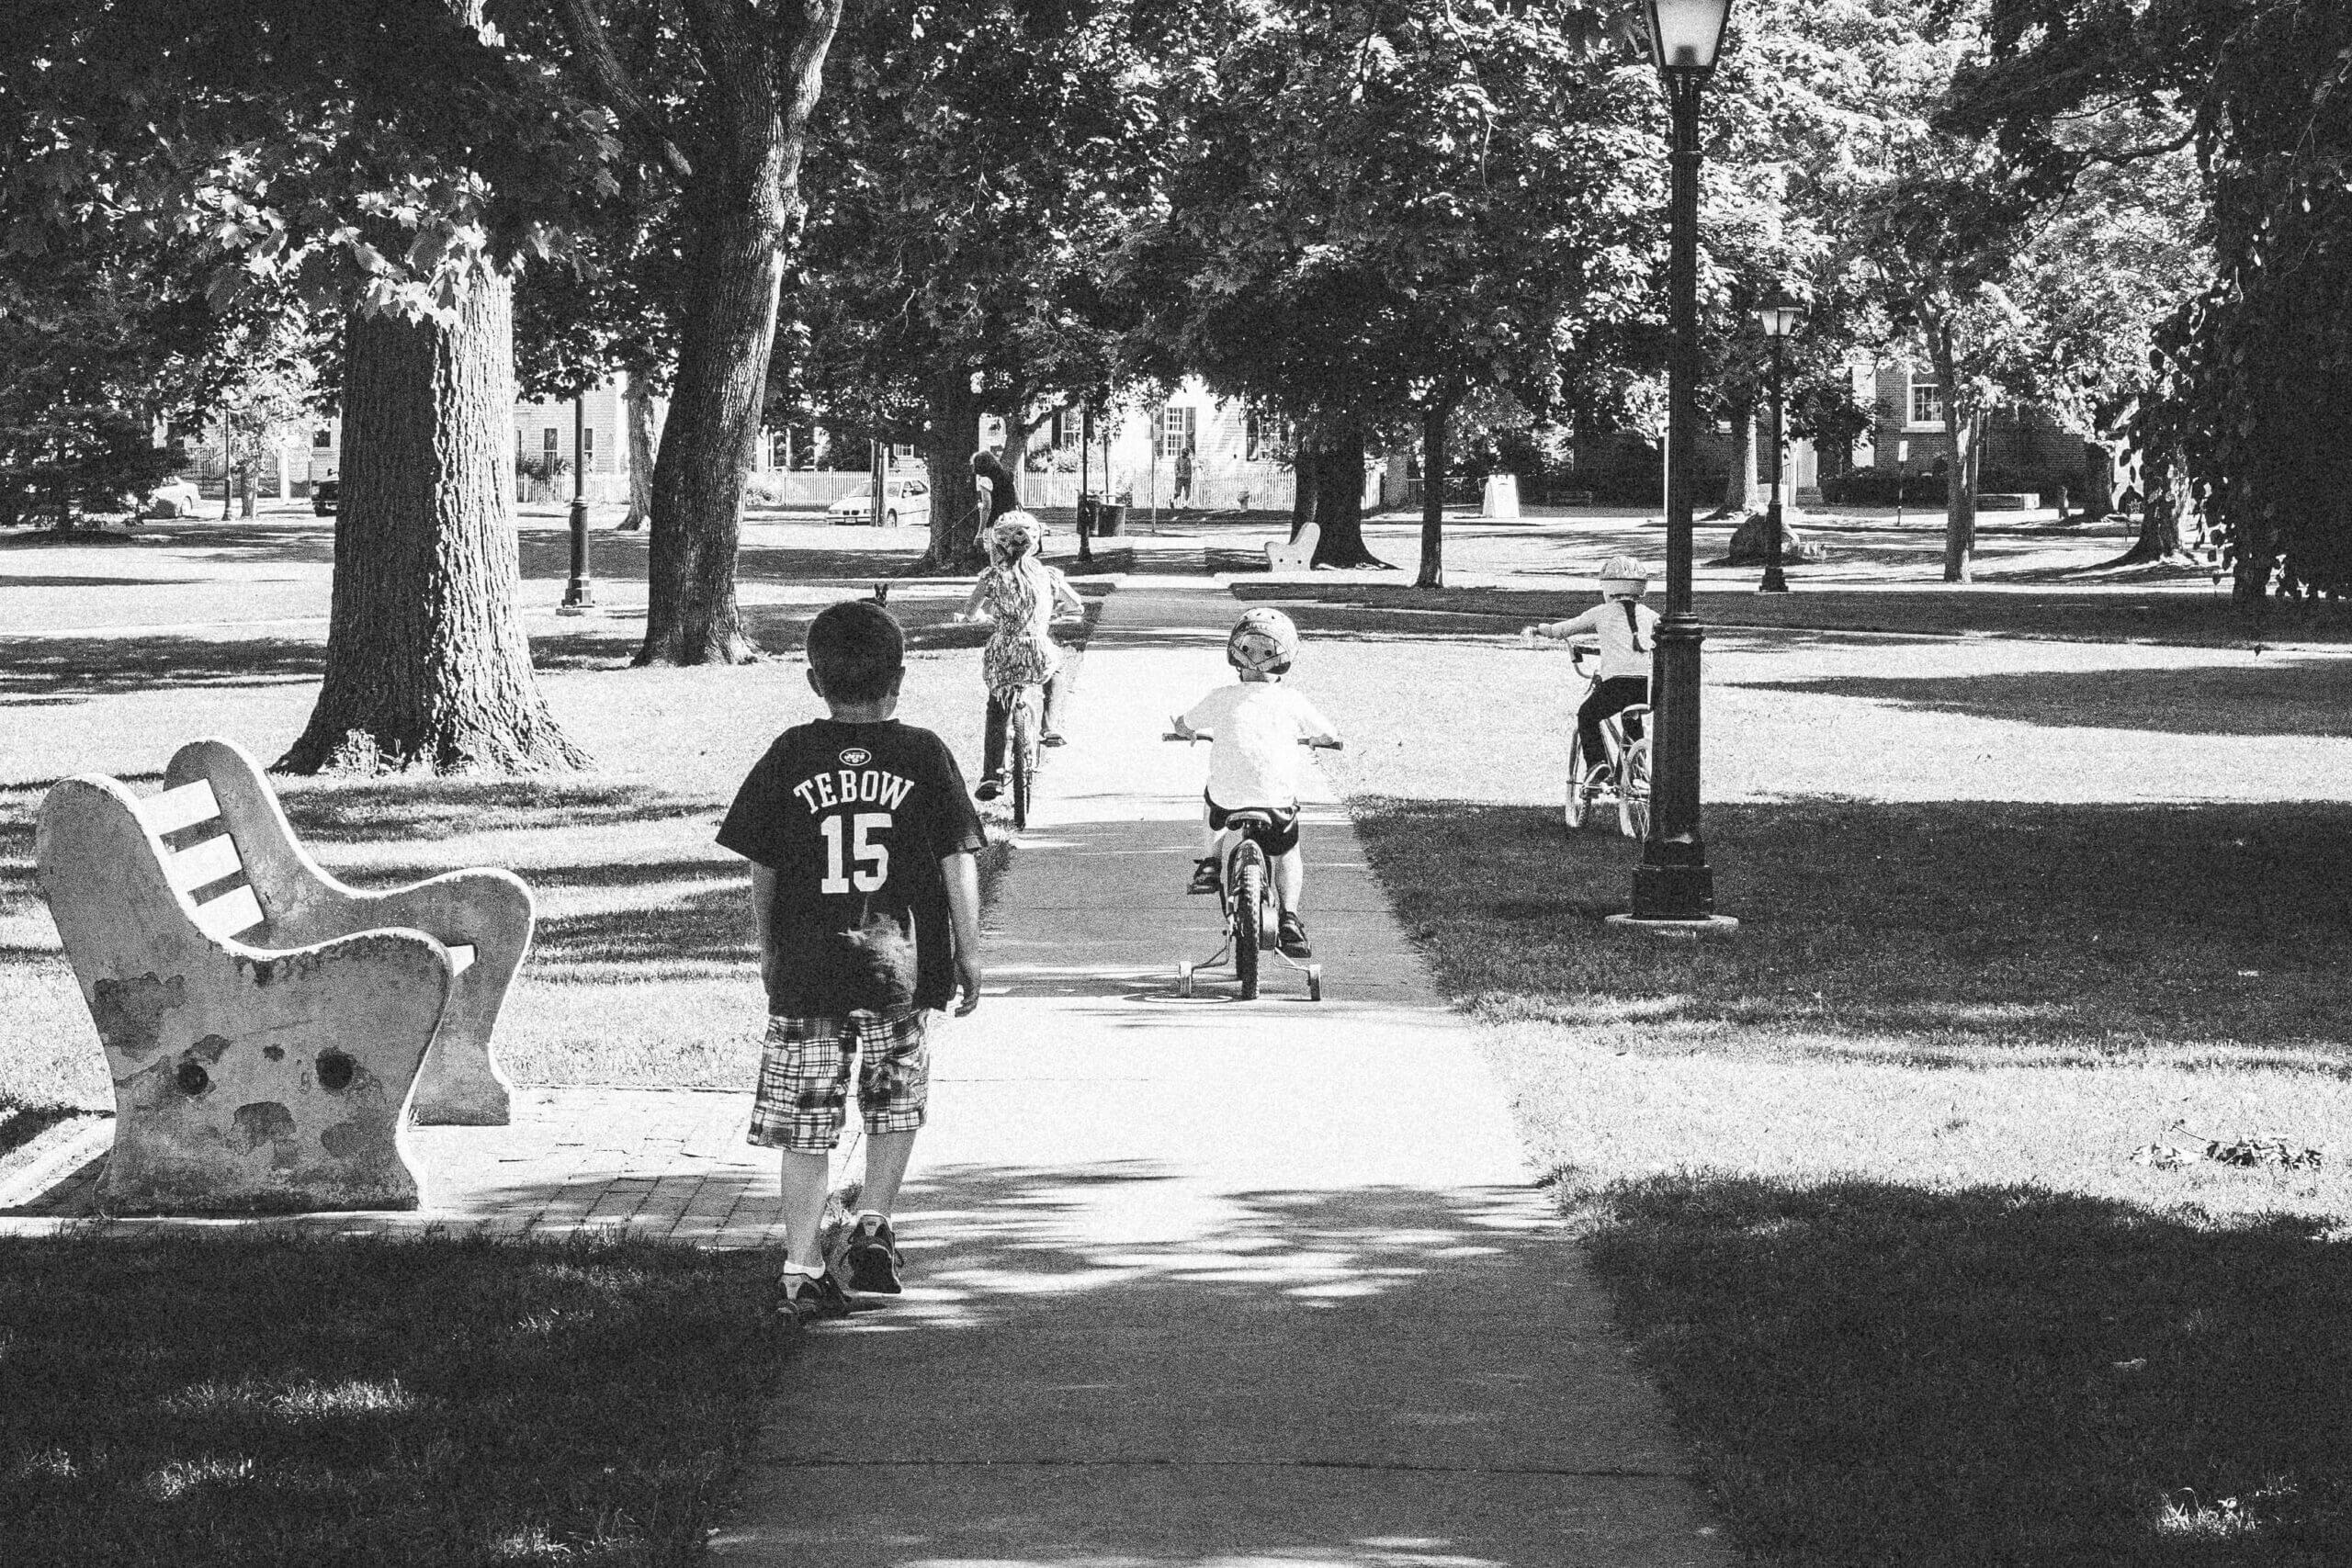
1634	792
1248	913
1579	802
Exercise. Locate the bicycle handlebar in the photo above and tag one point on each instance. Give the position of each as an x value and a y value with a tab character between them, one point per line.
1303	740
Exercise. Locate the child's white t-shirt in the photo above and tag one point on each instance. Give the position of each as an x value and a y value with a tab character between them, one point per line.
1625	644
1258	725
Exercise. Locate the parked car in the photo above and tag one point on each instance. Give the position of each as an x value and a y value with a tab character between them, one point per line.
904	501
323	496
172	497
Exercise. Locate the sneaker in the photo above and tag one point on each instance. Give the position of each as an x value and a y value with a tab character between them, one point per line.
804	1299
1290	937
866	1258
1053	737
990	789
1203	876
1599	778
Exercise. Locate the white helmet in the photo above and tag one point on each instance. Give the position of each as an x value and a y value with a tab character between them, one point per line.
1013	536
1263	639
1622	577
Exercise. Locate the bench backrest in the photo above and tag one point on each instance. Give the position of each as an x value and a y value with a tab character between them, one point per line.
201	859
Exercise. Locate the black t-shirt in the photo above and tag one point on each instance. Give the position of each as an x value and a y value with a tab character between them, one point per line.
855	819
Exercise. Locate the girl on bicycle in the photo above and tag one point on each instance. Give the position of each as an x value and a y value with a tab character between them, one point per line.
1021	595
1626	630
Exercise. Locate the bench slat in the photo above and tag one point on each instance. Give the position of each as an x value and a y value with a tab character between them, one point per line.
201	865
233	914
182	807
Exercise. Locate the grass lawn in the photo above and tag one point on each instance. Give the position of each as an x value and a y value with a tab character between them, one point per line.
1860	1180
642	969
243	1403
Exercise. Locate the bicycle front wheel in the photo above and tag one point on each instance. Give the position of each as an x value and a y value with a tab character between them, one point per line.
1634	792
1022	742
1248	918
1579	803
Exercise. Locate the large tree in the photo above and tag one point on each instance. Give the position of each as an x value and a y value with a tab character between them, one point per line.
388	157
1377	209
978	168
713	97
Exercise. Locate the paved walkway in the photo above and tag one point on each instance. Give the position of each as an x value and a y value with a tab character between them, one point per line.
1193	1283
1212	1283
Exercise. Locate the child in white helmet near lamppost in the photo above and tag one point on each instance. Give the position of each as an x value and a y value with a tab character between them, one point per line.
1257	726
1022	596
1626	631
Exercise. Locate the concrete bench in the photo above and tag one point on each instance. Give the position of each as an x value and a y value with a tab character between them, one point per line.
268	1027
1294	554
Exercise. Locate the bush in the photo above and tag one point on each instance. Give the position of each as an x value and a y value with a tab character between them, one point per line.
72	459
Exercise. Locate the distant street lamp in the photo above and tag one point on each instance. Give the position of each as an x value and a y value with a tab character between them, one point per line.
1781	315
1674	881
579	593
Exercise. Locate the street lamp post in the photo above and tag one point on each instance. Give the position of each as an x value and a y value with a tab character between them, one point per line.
1780	316
1674	884
579	593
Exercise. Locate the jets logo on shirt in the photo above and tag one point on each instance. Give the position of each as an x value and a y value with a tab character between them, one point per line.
856	757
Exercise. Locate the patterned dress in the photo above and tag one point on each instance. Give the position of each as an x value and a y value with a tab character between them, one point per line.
1020	599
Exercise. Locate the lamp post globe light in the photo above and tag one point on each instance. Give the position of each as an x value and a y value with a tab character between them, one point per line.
1780	316
1674	887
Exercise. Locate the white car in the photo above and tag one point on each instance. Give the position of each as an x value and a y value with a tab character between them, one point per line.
904	501
172	497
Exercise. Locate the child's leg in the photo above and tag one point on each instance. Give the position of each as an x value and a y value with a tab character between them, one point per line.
885	1167
797	1111
1290	879
992	747
803	1183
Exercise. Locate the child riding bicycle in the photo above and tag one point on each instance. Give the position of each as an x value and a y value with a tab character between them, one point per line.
1626	630
1023	596
1257	726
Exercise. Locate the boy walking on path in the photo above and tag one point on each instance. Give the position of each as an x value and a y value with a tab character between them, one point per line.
868	903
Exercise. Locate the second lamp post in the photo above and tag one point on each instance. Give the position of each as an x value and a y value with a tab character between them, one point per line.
1780	316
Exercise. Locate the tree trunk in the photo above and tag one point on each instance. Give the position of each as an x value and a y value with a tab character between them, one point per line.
639	399
764	70
1338	499
1015	456
1433	573
1960	492
1304	484
427	664
245	488
1742	494
953	436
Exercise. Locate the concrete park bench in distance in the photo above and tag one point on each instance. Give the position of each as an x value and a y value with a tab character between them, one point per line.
268	1027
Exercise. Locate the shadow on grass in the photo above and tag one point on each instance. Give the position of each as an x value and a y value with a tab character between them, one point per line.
443	808
1878	1374
273	1401
1945	933
47	670
2279	695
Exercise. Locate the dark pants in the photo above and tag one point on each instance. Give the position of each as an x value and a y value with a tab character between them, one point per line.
1613	696
1001	718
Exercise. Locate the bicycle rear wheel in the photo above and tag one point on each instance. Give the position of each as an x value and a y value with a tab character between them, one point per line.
1633	791
1579	803
1249	915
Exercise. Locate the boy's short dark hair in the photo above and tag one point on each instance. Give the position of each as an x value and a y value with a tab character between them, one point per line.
857	650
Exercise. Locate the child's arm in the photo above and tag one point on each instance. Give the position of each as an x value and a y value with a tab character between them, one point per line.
970	611
763	919
1560	631
1065	594
1314	729
963	877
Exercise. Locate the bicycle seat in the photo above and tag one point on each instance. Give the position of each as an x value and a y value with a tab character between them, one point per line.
1635	710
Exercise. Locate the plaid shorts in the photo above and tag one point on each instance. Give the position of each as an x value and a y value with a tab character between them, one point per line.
804	1077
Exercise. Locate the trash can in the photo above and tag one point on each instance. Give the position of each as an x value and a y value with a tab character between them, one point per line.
1109	520
1087	504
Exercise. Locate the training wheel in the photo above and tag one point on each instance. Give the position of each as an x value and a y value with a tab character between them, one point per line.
1315	982
1183	979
